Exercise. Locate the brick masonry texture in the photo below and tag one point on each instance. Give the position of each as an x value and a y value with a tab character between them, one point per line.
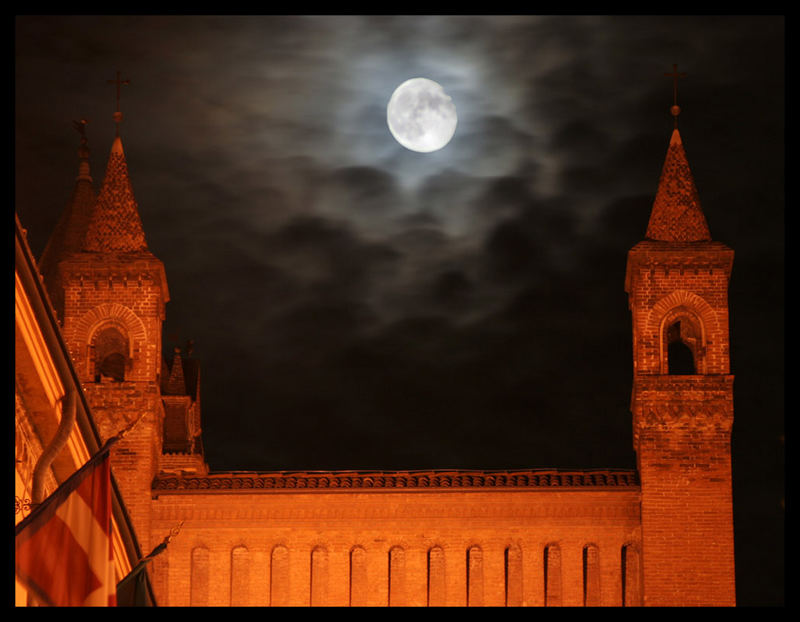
682	424
659	535
380	524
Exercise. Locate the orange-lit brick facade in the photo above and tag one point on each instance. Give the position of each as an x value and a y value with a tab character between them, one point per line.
659	535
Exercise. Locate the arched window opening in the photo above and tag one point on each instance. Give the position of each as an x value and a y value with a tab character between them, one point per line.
474	577
112	366
631	577
358	577
591	576
680	356
110	348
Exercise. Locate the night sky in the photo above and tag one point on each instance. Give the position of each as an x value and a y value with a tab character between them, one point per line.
356	305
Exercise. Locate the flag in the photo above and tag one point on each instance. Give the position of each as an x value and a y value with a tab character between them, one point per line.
134	590
63	548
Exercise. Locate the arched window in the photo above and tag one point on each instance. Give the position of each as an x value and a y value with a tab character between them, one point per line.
474	577
111	338
683	343
358	577
680	358
591	576
631	576
109	346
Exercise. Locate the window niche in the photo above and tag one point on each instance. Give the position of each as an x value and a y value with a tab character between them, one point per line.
110	354
683	344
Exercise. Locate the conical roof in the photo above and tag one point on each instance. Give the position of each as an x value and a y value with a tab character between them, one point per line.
115	224
677	215
176	385
70	232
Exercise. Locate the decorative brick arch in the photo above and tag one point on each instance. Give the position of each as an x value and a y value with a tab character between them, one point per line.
682	304
111	312
106	315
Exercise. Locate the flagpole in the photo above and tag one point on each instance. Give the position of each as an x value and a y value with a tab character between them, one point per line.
27	529
140	566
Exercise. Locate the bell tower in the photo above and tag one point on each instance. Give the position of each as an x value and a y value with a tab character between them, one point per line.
110	293
682	401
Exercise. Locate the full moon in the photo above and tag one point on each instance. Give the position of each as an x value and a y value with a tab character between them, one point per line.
421	116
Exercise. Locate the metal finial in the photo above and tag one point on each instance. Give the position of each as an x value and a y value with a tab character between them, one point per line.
675	110
83	150
174	532
80	126
117	114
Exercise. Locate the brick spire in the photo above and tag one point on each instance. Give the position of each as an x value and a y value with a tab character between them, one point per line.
677	215
176	385
71	229
115	225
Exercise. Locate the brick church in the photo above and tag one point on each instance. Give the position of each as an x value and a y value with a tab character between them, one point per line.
661	534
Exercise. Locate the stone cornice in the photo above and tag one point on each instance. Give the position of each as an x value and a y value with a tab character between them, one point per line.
401	481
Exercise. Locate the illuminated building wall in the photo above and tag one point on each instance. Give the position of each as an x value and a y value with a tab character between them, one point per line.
658	535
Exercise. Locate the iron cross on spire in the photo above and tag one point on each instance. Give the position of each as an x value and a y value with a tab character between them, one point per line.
119	82
675	110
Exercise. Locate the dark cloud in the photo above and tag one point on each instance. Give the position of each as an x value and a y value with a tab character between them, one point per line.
581	139
452	288
328	258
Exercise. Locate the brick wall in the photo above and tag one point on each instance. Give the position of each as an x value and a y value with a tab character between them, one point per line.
682	423
378	548
134	459
129	291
